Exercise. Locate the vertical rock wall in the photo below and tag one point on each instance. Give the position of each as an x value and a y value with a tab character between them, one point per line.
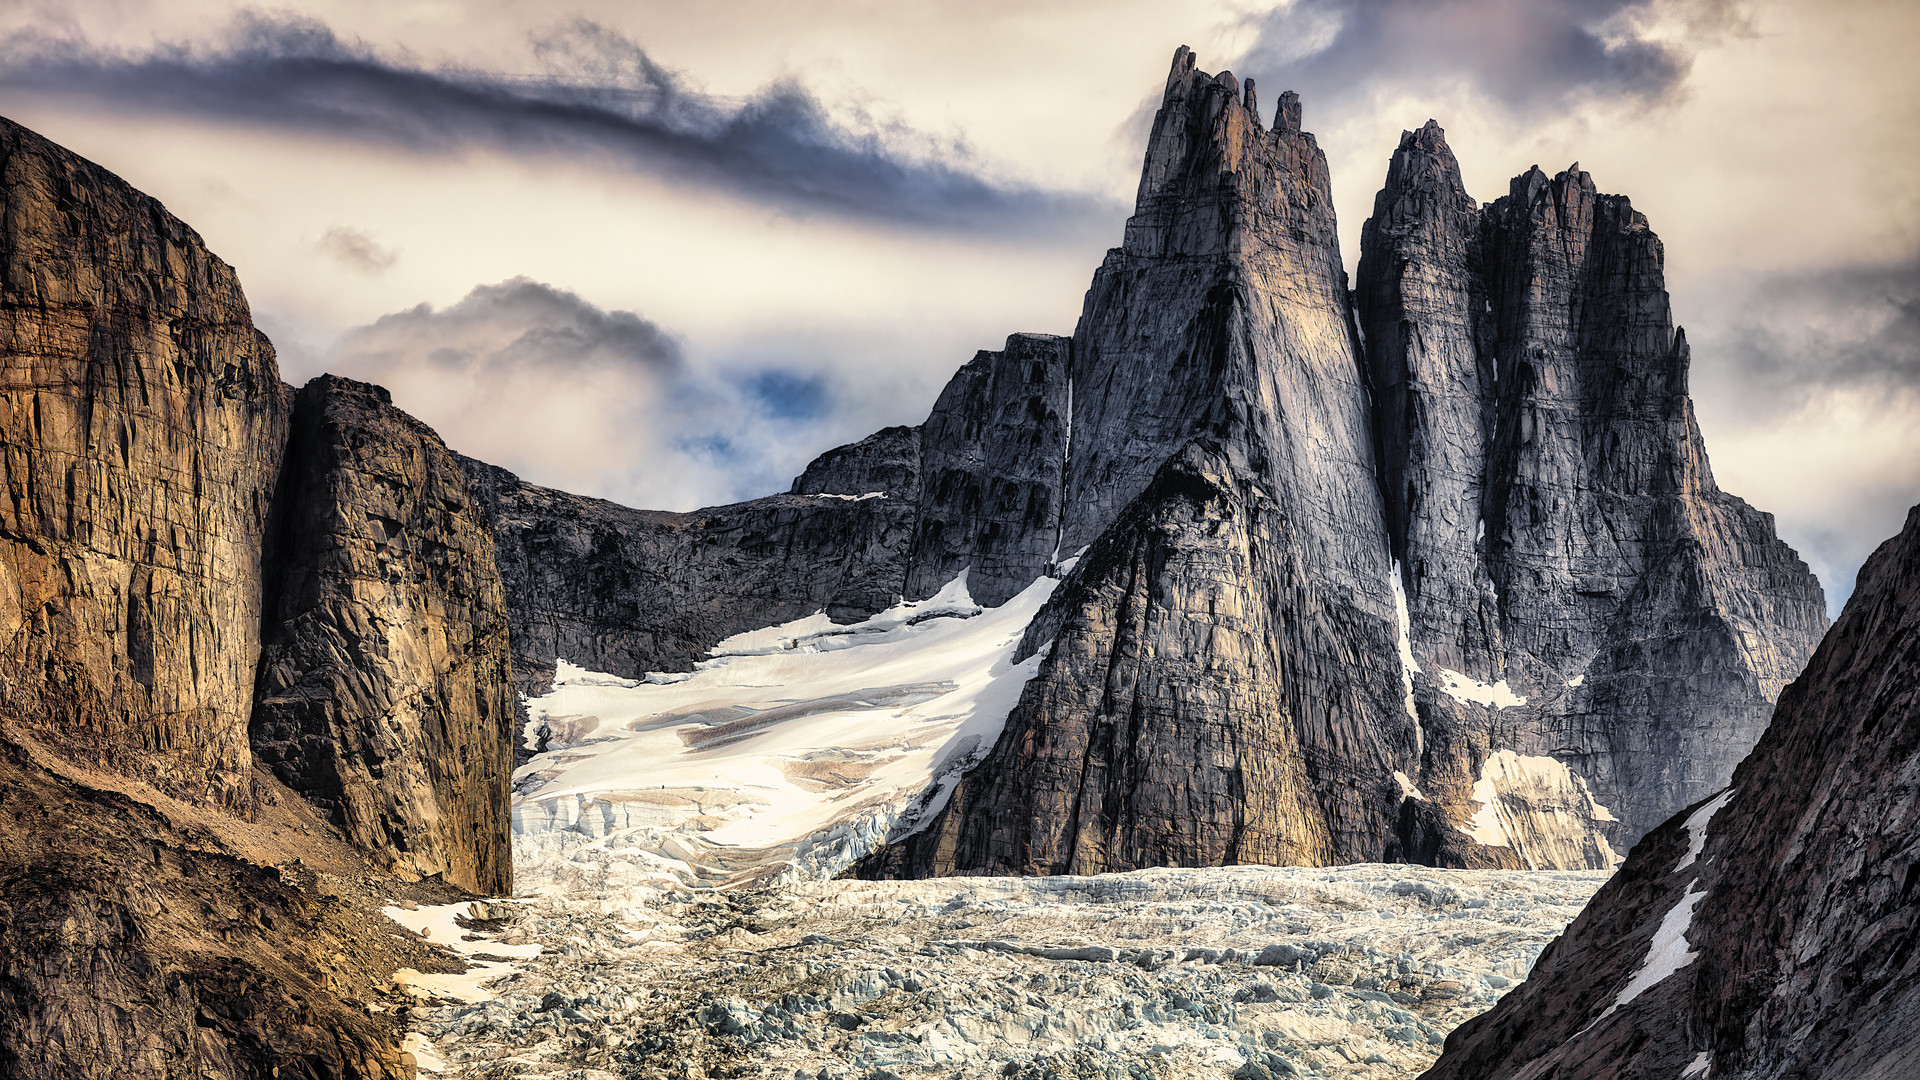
992	456
141	431
384	693
1549	497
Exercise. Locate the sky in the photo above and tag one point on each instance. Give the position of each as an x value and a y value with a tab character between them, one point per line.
666	252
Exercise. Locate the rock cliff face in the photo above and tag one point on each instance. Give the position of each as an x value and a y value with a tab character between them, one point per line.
886	461
1771	930
384	695
992	456
145	925
141	428
630	591
1567	554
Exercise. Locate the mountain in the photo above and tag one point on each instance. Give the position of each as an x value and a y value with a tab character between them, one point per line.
1438	574
1770	930
204	574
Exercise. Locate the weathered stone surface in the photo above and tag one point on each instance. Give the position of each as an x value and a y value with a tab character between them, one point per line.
630	591
886	461
993	454
1549	497
1799	956
384	692
141	431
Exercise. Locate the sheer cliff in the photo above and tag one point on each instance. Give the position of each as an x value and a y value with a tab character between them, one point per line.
142	430
1548	494
147	925
1770	930
384	695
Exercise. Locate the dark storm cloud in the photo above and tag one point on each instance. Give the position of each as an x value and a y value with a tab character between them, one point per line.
601	97
1849	327
1527	57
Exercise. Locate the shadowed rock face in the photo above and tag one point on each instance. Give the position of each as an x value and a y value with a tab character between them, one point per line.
141	431
1548	494
630	591
384	695
992	456
887	460
1799	958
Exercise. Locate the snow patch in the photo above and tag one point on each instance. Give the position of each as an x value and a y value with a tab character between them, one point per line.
1466	688
1408	665
793	751
1701	1066
1667	953
1539	808
425	1055
1578	680
1407	788
1696	826
851	498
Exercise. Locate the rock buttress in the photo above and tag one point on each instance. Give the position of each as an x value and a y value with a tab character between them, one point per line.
141	431
1549	498
992	457
1794	896
385	696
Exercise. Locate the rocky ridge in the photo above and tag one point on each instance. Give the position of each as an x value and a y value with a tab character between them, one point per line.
1446	598
1771	929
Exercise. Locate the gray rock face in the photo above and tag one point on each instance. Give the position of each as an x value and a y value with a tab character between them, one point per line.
993	454
384	693
887	461
141	432
1549	497
1790	904
630	591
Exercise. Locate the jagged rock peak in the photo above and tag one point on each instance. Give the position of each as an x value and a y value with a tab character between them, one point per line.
887	461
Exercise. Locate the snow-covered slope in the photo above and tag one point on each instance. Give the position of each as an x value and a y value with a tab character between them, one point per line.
789	754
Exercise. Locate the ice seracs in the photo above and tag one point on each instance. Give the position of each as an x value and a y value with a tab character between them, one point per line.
790	752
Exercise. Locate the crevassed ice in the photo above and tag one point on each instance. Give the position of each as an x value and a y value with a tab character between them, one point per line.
1539	808
792	752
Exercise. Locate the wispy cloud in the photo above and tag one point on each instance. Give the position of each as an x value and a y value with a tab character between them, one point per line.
599	97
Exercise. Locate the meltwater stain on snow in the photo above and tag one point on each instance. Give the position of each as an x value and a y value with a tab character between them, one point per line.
790	753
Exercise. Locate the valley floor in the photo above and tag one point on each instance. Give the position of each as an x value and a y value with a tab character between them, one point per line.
1248	972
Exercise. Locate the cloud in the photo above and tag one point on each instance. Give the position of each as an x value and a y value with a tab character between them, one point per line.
601	97
357	250
1526	58
1845	327
596	401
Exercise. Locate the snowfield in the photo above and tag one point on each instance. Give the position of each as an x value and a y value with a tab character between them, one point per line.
676	841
